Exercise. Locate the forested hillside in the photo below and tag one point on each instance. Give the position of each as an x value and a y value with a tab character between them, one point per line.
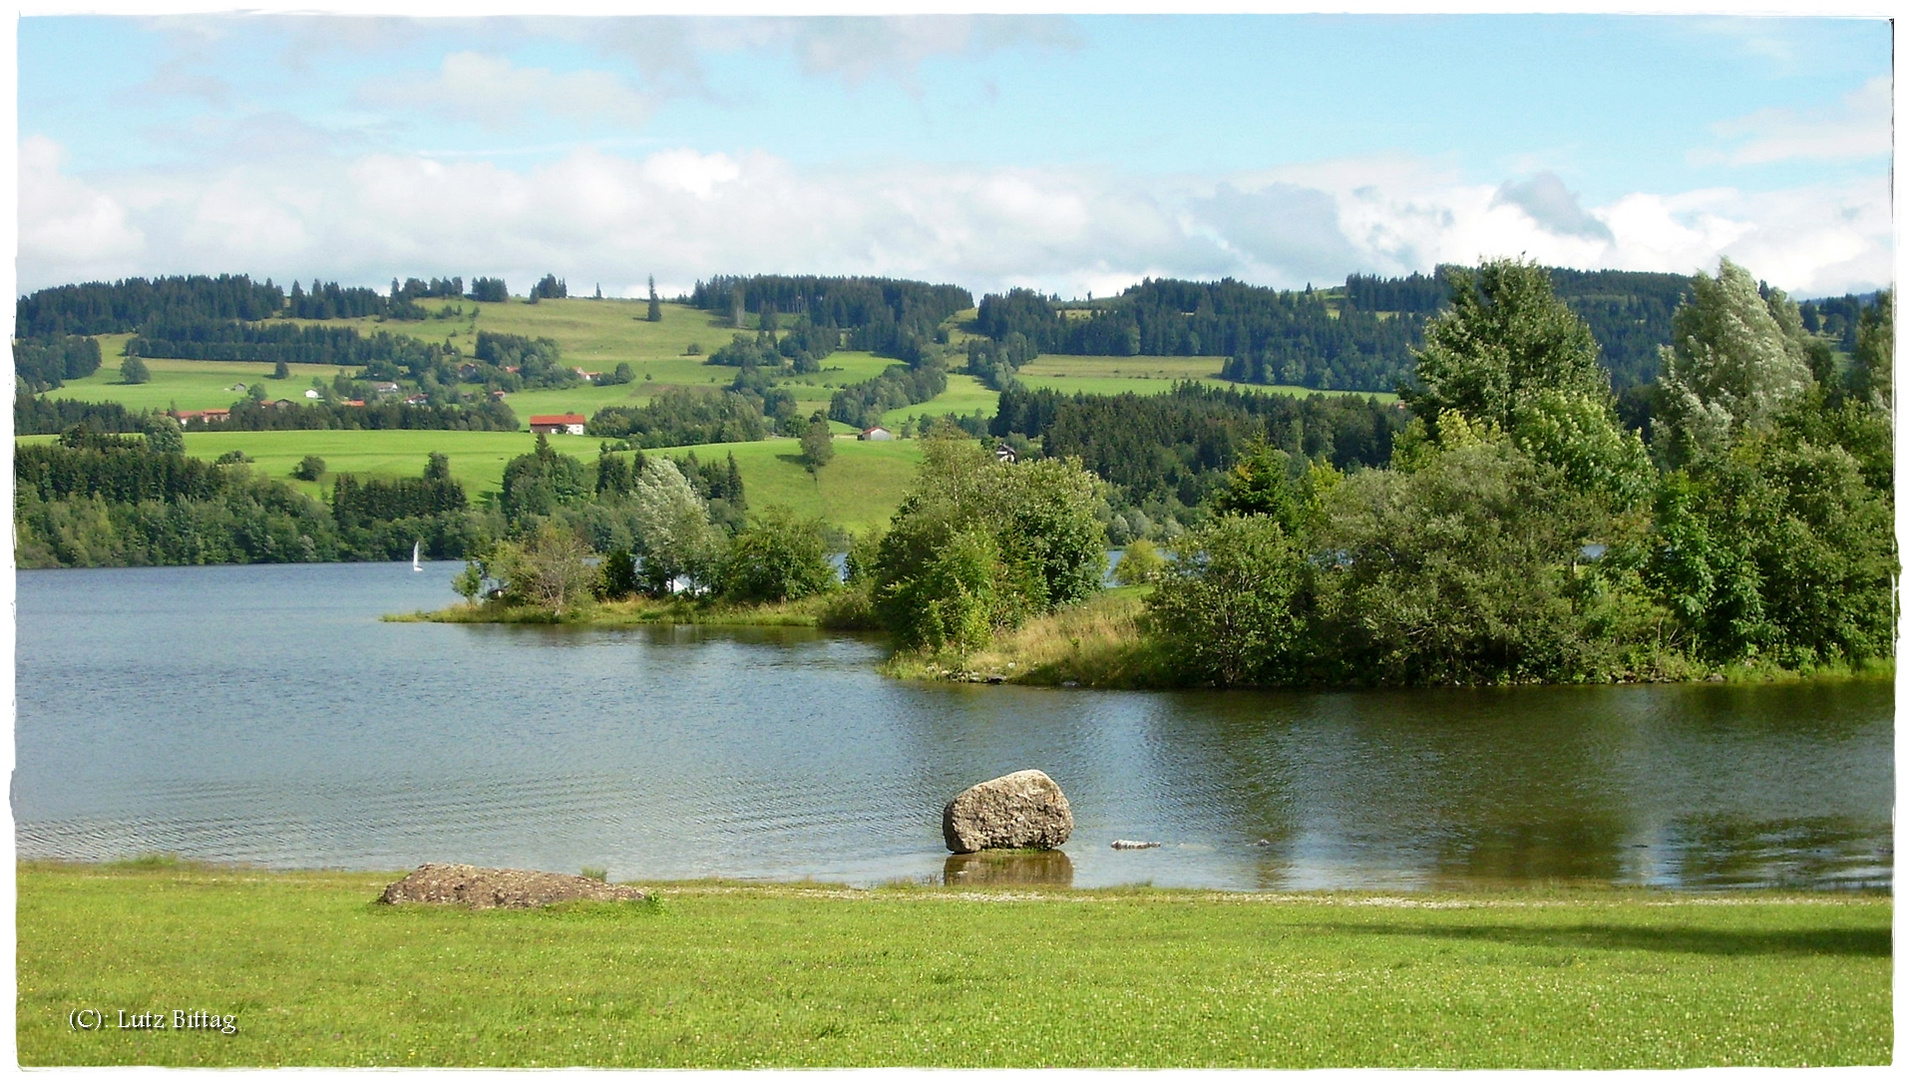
879	315
1359	337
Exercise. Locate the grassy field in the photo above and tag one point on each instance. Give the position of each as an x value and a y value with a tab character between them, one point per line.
190	384
596	335
734	976
1144	375
965	394
858	489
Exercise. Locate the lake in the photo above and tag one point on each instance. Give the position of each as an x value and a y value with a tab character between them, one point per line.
263	713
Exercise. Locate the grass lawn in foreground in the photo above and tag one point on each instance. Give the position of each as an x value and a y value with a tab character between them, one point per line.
735	976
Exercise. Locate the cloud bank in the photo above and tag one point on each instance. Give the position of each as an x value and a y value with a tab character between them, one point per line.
594	217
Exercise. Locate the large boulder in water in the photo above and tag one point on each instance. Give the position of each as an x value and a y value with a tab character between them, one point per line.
483	887
1020	810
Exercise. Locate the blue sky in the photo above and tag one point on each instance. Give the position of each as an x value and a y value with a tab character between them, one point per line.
1068	153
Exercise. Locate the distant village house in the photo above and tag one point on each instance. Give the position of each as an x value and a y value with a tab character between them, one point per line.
203	416
560	424
876	434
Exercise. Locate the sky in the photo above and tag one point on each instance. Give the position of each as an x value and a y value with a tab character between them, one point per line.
1074	154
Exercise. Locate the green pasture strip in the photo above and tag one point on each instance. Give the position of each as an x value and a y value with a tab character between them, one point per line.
477	458
857	490
192	384
591	333
1147	375
715	975
1170	368
965	394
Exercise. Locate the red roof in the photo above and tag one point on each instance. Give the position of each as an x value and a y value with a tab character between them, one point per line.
564	418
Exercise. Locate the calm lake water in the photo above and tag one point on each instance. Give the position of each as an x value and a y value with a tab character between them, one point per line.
263	713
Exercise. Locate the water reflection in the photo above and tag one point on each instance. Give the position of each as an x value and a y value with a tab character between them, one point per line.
1008	868
263	713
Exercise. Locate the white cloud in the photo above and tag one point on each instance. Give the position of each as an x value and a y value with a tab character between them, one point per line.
681	214
492	92
1860	126
66	223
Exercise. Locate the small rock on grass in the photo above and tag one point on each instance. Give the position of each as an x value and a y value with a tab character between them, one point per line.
483	887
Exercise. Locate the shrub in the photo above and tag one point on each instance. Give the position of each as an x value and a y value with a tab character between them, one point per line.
778	557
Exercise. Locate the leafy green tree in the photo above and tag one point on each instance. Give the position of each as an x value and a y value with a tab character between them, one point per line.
1872	372
1779	549
672	524
1226	604
164	435
281	370
954	599
1505	339
777	557
1036	523
549	570
818	445
539	482
1467	569
133	370
310	467
618	575
470	582
1736	361
1139	562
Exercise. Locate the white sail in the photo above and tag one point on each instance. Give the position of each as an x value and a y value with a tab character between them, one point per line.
415	565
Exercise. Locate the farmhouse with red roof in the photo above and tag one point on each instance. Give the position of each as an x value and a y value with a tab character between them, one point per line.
560	424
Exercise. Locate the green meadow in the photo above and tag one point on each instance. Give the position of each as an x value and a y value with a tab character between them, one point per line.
188	384
965	395
597	335
857	490
1146	375
860	488
722	975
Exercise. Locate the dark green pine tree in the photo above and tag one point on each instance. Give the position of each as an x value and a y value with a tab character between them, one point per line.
656	306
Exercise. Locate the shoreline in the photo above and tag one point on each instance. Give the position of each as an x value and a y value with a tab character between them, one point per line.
1093	645
1485	892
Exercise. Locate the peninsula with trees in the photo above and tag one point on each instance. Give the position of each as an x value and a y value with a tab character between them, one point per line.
1493	474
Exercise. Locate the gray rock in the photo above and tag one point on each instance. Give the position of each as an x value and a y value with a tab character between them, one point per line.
1020	810
485	887
1134	845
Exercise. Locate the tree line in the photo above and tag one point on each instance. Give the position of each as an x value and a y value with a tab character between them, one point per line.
1360	337
389	414
1520	532
47	364
1165	454
682	416
880	315
126	305
862	404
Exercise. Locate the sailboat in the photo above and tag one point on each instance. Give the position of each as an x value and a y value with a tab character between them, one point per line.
415	564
